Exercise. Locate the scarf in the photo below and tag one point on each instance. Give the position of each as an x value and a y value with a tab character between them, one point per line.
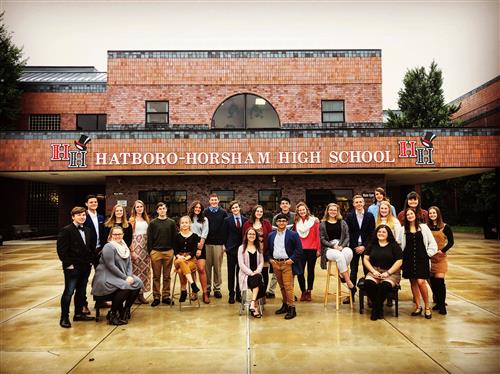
121	248
303	227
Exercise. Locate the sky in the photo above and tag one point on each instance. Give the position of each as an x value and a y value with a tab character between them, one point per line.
461	36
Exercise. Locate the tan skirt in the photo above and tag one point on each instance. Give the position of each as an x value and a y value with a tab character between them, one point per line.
394	278
439	263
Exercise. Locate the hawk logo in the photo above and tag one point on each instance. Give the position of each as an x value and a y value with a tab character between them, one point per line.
76	158
423	155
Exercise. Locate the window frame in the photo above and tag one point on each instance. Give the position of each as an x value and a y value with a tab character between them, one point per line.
168	203
33	115
97	115
323	112
223	203
277	202
147	113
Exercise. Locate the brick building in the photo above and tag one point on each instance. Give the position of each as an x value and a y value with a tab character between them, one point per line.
250	125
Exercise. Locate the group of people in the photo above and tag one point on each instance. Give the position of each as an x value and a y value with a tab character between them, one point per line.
127	251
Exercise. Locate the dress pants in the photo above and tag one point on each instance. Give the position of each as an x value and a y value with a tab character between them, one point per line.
232	272
215	255
75	282
284	275
161	261
355	265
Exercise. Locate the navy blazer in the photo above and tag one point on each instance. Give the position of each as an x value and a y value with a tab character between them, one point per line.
88	223
366	230
232	233
293	248
71	248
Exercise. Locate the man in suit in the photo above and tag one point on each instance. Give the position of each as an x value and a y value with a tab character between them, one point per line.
361	226
232	230
95	222
285	252
75	248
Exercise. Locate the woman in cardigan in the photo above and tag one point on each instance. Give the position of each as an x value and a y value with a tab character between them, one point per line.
383	259
307	226
141	262
334	235
119	218
199	226
418	246
251	263
263	228
185	248
114	276
439	263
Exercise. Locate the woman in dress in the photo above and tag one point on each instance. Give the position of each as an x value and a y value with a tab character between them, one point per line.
307	226
251	263
185	248
383	259
263	228
439	262
385	216
199	226
380	196
413	201
114	276
141	262
418	246
334	235
119	218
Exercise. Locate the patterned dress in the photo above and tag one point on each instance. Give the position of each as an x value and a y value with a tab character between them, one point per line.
142	266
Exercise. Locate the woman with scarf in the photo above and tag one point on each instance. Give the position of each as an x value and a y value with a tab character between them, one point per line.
114	276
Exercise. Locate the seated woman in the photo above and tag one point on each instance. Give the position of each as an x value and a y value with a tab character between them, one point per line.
383	259
185	247
334	235
251	262
114	276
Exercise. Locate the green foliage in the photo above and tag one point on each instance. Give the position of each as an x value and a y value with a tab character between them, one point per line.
11	68
421	101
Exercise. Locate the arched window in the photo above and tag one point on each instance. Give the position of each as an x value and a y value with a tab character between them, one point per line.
245	111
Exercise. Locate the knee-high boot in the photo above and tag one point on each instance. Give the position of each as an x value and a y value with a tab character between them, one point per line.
371	289
384	289
441	301
435	291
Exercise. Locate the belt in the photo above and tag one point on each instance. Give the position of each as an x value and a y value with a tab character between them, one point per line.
281	259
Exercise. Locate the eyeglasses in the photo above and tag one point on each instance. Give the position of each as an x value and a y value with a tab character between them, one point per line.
281	220
120	234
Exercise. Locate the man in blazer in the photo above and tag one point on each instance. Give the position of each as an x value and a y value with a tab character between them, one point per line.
285	252
233	232
75	248
361	226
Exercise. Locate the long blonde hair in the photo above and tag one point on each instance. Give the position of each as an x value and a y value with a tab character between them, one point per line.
308	212
326	216
112	218
133	213
389	219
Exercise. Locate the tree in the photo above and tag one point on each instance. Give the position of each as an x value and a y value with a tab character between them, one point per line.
11	68
421	101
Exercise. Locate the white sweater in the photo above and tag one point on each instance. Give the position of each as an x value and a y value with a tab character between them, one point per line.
429	241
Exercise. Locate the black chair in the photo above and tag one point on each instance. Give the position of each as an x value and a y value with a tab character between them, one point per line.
394	295
99	301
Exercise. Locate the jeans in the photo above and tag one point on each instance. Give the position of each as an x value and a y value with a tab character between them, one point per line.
75	282
309	259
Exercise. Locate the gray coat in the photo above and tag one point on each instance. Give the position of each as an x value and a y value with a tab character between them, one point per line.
325	242
112	272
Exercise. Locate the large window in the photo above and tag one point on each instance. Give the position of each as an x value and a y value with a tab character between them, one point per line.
91	122
176	202
43	207
317	200
270	201
225	197
157	112
245	111
332	111
42	122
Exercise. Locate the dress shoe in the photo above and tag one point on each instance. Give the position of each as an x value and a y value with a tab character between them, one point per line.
270	295
417	312
303	296
442	310
428	313
308	296
374	315
83	317
291	313
64	322
238	297
231	299
217	294
183	296
85	310
168	301
282	310
206	299
155	302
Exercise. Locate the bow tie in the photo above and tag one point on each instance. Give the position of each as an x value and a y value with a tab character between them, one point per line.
81	228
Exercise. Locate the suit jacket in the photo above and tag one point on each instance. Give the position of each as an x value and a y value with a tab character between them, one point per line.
366	230
232	233
88	223
293	248
71	248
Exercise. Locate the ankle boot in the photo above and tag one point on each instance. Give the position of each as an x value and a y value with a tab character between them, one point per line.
291	313
183	296
194	288
434	289
303	296
309	296
282	310
114	319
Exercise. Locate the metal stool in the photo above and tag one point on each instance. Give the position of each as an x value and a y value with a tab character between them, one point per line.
333	271
177	295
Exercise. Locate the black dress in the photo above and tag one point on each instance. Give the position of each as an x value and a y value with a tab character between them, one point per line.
254	281
415	258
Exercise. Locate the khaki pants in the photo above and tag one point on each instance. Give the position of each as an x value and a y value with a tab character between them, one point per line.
215	255
186	266
284	275
161	261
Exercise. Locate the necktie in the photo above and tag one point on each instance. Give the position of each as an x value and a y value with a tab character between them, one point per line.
238	225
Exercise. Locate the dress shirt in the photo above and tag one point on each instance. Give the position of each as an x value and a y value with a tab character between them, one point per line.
279	246
95	221
359	216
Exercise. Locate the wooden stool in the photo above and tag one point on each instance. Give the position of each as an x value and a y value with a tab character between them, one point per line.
173	294
333	271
